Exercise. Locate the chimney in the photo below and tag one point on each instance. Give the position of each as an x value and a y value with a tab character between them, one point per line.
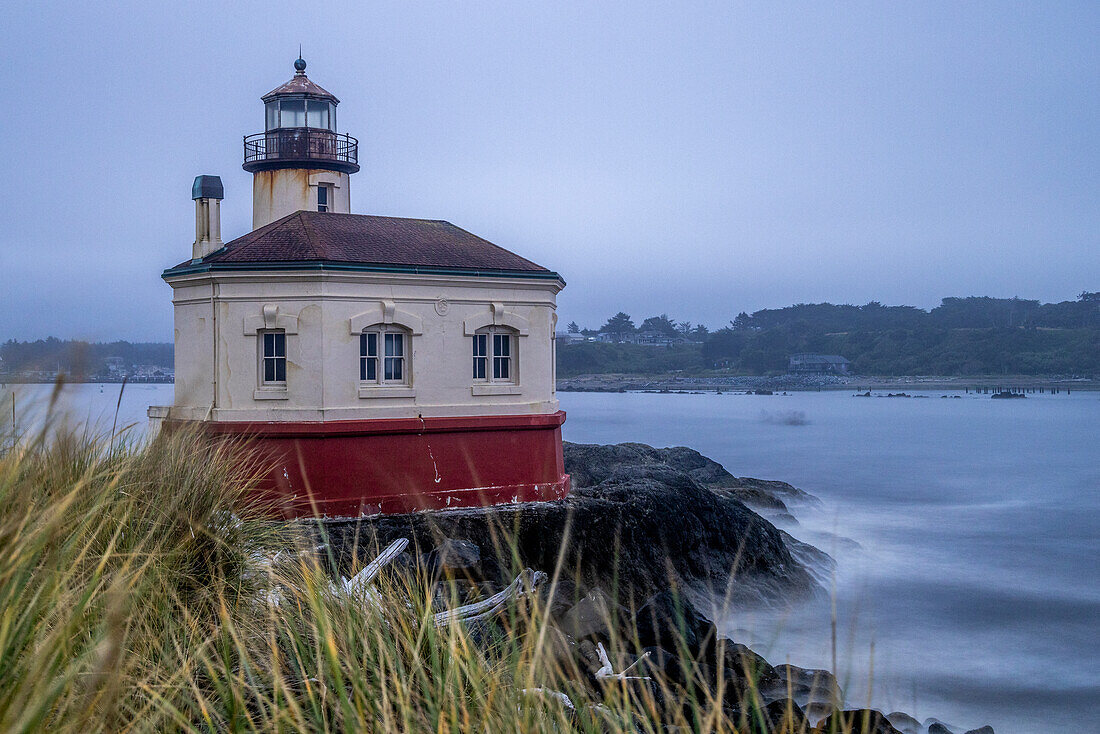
208	193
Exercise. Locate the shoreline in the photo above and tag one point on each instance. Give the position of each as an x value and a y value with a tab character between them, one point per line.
805	383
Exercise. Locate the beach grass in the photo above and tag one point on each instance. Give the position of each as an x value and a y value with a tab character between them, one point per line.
140	591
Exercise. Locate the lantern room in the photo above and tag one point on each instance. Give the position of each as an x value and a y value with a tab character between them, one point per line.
299	162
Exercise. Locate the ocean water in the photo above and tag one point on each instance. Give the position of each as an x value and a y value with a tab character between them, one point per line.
973	594
966	533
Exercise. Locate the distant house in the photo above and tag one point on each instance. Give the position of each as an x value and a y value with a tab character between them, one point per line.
565	337
652	337
818	364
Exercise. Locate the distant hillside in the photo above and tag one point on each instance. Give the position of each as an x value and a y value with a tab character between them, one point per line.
961	336
83	360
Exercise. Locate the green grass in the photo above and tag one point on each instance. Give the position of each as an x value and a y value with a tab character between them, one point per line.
137	593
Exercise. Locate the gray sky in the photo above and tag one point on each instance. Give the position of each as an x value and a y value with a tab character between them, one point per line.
695	158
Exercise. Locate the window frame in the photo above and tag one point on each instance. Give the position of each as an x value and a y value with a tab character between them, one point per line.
487	361
327	189
275	359
382	362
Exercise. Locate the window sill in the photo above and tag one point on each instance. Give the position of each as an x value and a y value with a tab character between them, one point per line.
270	393
496	390
369	392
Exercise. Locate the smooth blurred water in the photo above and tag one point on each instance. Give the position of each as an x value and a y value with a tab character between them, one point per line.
977	576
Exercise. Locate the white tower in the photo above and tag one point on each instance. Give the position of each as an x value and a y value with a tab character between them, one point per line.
299	162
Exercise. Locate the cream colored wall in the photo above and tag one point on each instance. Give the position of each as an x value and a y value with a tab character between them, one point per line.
278	193
318	312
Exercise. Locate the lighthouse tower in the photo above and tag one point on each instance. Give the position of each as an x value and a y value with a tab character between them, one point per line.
299	162
382	364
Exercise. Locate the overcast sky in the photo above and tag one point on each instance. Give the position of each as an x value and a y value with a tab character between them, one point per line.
698	159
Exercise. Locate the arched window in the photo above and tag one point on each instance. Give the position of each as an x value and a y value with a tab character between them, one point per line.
384	355
494	354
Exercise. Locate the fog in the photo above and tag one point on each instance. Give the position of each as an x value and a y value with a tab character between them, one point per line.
698	159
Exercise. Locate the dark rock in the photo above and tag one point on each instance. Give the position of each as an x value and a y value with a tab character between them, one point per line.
593	617
746	673
987	729
857	721
559	596
939	728
906	723
818	711
784	715
455	557
803	685
670	621
635	515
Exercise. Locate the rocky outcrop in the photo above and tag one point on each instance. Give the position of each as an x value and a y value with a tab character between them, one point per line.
641	527
638	518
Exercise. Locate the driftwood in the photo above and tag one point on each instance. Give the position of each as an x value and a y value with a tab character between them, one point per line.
607	672
523	584
359	583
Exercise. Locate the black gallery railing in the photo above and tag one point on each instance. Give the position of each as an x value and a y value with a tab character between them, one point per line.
301	144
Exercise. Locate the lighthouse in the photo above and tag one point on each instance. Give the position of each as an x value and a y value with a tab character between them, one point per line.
299	162
379	364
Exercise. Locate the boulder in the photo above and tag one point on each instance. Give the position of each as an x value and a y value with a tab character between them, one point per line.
804	686
987	729
784	715
635	519
857	721
939	728
746	673
455	557
593	617
905	723
670	621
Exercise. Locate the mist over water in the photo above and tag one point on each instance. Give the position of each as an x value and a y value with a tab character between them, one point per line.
966	533
976	529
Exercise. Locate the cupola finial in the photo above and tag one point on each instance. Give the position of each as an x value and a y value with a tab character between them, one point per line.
300	63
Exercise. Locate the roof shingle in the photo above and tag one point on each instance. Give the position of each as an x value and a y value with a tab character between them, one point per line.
326	237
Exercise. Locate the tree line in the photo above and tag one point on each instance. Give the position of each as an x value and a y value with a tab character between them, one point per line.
961	336
80	358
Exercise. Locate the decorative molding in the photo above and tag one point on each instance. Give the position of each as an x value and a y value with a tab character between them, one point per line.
271	317
373	392
496	390
497	315
328	178
386	312
270	393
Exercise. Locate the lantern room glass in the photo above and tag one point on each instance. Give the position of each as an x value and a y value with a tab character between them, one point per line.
314	113
317	114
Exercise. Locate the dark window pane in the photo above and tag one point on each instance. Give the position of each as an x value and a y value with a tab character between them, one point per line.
363	345
362	368
393	368
280	370
372	369
269	344
372	345
280	344
269	370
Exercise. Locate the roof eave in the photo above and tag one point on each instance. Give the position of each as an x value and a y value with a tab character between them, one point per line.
212	267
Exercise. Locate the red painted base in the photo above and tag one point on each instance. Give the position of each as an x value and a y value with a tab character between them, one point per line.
354	468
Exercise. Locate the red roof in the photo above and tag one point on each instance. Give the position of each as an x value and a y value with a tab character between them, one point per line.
326	237
300	84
